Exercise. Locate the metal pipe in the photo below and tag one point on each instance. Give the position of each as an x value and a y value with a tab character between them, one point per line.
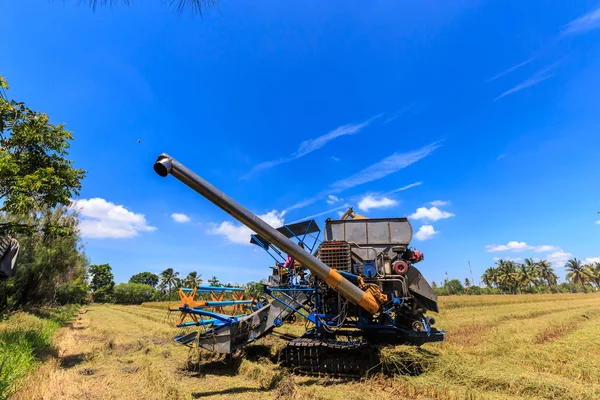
166	165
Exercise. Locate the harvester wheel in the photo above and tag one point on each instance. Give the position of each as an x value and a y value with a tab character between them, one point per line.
400	267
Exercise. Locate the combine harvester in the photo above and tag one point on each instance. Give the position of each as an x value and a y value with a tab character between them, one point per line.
361	288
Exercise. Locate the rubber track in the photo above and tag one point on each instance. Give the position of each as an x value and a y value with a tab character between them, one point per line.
332	357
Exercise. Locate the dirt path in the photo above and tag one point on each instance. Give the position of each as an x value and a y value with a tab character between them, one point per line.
112	352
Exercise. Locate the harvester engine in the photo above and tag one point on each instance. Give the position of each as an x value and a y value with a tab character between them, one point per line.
355	288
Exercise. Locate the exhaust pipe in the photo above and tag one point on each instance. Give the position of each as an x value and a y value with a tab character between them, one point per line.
166	165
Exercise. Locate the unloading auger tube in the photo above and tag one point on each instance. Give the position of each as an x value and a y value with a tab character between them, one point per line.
166	165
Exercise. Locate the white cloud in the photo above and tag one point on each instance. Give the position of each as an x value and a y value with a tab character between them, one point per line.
439	203
508	71
237	233
379	170
331	199
180	218
501	156
426	232
536	78
368	202
520	246
591	260
403	188
431	214
102	219
586	23
340	213
598	222
385	167
310	145
559	258
334	158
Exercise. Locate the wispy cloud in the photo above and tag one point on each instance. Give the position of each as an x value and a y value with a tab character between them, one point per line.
540	76
308	146
511	69
323	213
439	203
385	167
501	156
583	24
331	199
412	108
240	234
403	188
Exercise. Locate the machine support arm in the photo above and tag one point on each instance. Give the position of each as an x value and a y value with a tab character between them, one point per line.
166	165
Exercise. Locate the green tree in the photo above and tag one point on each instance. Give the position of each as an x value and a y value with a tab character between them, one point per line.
454	286
214	281
145	278
51	266
168	279
103	283
577	273
546	273
35	174
192	280
490	277
527	274
467	282
133	293
255	289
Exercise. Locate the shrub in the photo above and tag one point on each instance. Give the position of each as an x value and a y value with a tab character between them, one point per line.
134	293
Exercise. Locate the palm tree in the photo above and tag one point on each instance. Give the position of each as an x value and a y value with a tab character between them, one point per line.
490	277
528	273
508	277
169	278
577	273
192	280
546	272
596	271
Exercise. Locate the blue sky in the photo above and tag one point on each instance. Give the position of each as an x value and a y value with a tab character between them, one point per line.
479	120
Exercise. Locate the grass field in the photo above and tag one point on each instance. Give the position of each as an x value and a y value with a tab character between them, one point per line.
498	347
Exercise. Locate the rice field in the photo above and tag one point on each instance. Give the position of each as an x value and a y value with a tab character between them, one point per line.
497	347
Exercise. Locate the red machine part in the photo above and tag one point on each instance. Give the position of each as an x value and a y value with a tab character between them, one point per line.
416	256
400	267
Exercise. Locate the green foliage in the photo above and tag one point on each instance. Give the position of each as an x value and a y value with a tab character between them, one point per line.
74	292
168	279
145	278
103	284
454	287
50	257
255	289
134	293
214	281
24	338
192	280
35	174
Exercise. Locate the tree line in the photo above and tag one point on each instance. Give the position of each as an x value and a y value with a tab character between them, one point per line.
510	277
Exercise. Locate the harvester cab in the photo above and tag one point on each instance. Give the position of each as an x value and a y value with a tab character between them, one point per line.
362	288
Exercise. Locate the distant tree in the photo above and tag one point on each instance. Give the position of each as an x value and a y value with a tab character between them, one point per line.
214	281
255	289
577	273
528	274
35	174
145	278
192	280
103	283
454	286
434	285
490	277
546	272
168	279
467	282
134	293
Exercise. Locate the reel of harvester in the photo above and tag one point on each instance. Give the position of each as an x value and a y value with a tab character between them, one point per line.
358	288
